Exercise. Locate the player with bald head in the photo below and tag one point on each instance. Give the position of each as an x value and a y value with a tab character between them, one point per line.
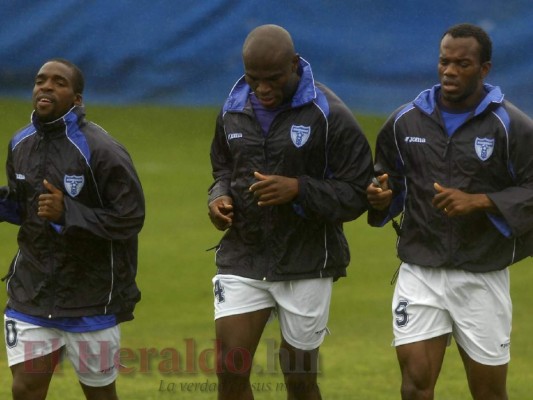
290	166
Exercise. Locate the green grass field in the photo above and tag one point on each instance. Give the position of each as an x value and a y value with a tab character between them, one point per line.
168	348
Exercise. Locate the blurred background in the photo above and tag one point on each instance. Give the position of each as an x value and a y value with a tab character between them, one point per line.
376	54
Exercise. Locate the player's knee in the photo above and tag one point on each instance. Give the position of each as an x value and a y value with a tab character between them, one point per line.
410	391
21	390
232	384
481	393
234	362
298	362
302	385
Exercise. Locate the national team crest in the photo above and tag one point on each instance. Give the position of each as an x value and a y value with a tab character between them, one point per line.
484	148
73	184
300	134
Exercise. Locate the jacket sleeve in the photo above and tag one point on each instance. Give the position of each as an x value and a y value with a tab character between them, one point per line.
9	206
341	195
121	212
220	163
515	203
388	161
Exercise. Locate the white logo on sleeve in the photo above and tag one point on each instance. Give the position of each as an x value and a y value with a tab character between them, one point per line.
414	139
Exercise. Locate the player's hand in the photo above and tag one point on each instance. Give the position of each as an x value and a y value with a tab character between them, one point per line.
379	196
273	190
454	202
221	212
51	206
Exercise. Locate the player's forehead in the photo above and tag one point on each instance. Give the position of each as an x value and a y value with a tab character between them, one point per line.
459	48
57	70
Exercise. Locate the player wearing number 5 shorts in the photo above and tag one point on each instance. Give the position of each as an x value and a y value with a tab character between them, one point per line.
457	162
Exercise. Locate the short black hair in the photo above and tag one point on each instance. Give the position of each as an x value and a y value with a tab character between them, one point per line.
79	81
469	30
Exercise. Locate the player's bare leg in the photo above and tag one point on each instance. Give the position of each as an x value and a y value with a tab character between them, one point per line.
108	392
31	379
300	369
420	364
238	337
486	382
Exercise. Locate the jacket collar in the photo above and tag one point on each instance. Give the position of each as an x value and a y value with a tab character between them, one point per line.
73	116
305	93
427	100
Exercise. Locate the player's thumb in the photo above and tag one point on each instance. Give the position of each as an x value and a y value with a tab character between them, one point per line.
259	176
51	188
438	187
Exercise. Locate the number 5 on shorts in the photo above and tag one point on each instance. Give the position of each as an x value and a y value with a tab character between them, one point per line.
402	318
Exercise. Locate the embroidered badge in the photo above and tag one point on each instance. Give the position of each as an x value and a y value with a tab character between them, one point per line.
300	134
484	148
73	184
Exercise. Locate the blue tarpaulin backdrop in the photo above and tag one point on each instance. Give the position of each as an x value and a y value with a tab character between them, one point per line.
375	54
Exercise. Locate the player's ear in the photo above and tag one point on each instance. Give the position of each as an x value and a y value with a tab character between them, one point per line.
295	62
78	99
485	69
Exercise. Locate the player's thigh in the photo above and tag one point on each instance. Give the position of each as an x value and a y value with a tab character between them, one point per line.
238	295
237	340
31	378
303	311
241	330
485	381
481	308
94	355
33	353
107	392
421	362
242	308
302	364
419	310
28	344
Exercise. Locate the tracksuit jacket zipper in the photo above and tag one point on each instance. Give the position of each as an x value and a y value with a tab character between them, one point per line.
42	175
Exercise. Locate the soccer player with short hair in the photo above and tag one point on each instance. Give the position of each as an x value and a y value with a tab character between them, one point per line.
457	162
75	193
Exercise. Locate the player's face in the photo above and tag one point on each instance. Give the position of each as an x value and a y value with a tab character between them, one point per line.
460	72
53	91
273	80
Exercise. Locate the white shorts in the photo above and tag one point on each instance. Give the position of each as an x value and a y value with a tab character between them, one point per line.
302	306
475	308
94	355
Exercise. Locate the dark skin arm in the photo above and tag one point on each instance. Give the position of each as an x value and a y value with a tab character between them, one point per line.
51	206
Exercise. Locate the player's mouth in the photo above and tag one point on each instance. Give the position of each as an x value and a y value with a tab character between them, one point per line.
44	104
267	102
44	100
449	86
